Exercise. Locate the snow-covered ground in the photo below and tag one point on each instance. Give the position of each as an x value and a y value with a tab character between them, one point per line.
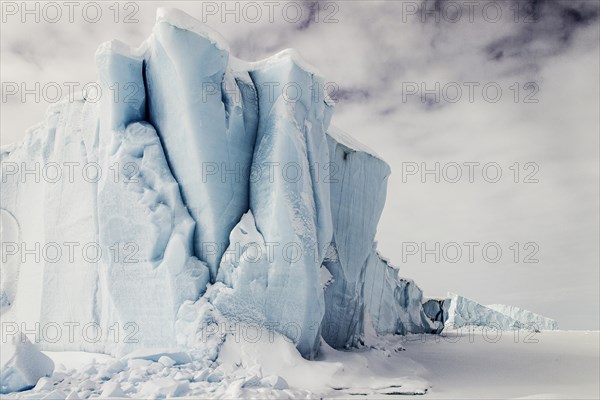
560	365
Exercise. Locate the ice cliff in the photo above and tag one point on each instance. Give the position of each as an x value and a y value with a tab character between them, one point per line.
202	170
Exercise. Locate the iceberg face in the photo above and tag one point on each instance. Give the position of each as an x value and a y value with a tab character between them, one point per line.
21	364
361	280
529	319
289	224
437	310
208	170
153	233
463	311
289	205
292	140
129	264
394	304
57	213
207	119
358	188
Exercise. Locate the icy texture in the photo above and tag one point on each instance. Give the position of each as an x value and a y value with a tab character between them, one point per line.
528	318
48	290
394	304
358	187
207	119
437	310
155	270
290	209
464	311
127	206
361	280
21	364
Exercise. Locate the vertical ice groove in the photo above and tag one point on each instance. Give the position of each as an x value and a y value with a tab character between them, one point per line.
124	95
292	133
289	205
396	304
147	267
358	188
61	290
208	147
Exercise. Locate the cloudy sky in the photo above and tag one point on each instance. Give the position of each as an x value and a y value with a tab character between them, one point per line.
475	87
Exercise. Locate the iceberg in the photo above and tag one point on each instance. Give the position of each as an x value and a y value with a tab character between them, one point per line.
206	189
52	213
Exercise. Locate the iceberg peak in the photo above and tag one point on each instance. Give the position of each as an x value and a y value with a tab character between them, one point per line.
182	20
286	55
118	47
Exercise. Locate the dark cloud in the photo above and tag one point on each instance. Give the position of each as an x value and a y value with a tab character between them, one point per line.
543	28
28	54
312	9
350	94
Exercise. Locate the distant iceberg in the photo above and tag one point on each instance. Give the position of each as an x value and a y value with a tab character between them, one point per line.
463	312
528	318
